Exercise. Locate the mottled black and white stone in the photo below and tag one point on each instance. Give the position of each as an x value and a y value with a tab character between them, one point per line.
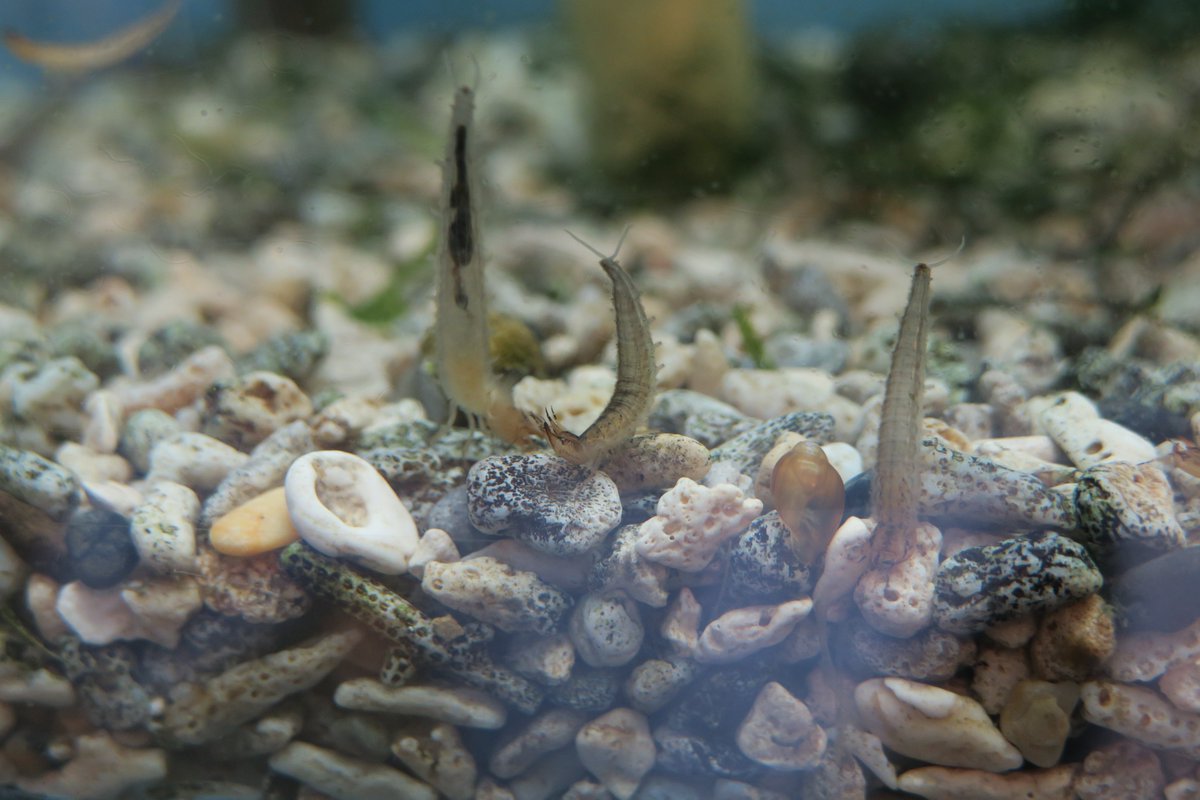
654	683
1122	503
981	585
705	419
962	486
762	567
545	501
930	656
746	450
495	593
687	754
588	689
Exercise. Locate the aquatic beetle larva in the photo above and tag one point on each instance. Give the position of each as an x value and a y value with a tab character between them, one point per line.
633	395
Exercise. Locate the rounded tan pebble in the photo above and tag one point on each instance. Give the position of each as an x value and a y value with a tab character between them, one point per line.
1120	770
617	748
942	783
1037	719
779	732
1073	641
656	461
257	526
1181	685
341	776
933	725
1143	715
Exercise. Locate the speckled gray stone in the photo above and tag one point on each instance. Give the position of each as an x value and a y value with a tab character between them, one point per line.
621	567
930	656
705	419
687	754
588	689
654	683
746	450
545	733
144	429
545	501
545	659
606	629
268	465
957	485
38	482
762	567
981	585
494	592
1123	503
244	411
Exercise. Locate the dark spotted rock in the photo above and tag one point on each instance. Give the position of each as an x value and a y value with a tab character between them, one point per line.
962	486
687	754
762	567
545	501
746	450
99	546
705	419
719	700
1121	503
979	586
930	656
103	677
588	689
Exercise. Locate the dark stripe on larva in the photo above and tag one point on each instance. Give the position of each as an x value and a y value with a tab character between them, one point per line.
459	237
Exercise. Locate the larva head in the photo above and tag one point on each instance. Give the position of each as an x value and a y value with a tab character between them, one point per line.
810	497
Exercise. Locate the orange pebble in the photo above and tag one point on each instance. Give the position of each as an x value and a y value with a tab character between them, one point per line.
255	527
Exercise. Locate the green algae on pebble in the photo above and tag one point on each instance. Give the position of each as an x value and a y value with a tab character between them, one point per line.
390	615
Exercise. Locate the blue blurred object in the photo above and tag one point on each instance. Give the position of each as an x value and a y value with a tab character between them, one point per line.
201	20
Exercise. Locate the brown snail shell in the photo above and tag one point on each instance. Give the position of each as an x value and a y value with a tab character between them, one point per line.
810	498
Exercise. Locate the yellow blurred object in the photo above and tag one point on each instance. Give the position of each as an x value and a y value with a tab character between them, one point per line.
673	87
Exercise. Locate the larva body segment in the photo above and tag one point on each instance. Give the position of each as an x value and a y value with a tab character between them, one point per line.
637	371
894	490
461	338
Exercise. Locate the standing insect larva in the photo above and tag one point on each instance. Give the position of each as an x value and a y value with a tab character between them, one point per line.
897	475
461	339
636	372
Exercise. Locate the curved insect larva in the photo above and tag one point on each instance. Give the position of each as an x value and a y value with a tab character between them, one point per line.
112	49
897	471
636	372
461	339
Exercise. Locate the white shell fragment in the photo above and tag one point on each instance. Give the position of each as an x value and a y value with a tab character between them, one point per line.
344	508
100	768
1143	715
440	759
